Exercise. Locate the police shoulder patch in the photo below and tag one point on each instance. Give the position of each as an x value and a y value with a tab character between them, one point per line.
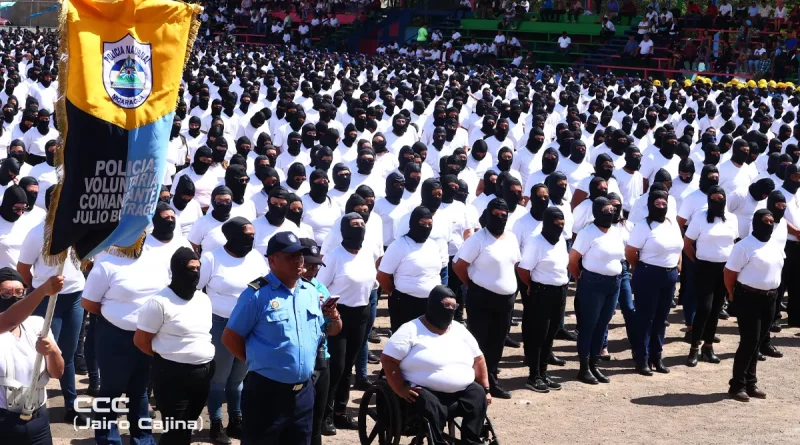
258	283
127	71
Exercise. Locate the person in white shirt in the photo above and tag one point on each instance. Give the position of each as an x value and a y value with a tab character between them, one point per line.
187	210
173	327
36	138
752	276
202	176
600	249
486	264
437	365
15	223
564	42
708	242
543	269
645	48
654	257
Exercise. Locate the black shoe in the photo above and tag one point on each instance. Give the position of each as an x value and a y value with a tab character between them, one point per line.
739	396
723	314
327	427
585	375
771	351
362	384
373	337
687	337
511	343
604	358
658	366
644	369
596	372
555	361
551	384
775	327
761	357
707	355
93	390
234	428
73	417
80	367
344	422
756	393
217	434
717	339
667	323
373	359
498	392
537	385
694	355
564	334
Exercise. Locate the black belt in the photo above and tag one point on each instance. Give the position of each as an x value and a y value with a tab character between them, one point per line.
766	293
668	269
295	387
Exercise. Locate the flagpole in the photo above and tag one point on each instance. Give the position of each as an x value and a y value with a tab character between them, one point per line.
27	407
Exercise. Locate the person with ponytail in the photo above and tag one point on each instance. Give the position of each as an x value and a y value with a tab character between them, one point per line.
173	327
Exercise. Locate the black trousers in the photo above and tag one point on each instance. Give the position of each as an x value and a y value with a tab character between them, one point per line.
321	380
754	313
404	308
541	318
469	404
489	316
455	284
275	414
710	290
343	349
791	279
181	390
33	432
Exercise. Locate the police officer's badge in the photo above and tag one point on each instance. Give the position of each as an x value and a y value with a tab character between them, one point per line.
314	250
274	304
128	71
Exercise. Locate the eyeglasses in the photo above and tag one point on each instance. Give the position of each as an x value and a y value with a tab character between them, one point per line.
450	306
14	293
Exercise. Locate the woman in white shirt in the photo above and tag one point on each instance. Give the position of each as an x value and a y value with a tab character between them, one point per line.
410	269
173	327
601	249
19	344
752	277
349	275
654	255
708	242
187	210
204	180
206	233
543	269
486	264
14	225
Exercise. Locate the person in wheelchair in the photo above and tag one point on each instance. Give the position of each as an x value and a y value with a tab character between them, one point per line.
437	367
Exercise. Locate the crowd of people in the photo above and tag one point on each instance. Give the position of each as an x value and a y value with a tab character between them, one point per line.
303	187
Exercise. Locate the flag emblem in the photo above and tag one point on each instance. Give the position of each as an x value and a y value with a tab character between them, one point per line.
127	71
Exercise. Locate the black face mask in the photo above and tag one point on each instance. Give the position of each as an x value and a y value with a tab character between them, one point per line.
538	205
417	232
163	229
20	157
365	165
716	208
184	281
602	219
431	202
550	230
221	212
341	182
43	127
293	146
352	237
789	185
577	156
8	115
549	165
655	213
668	149
761	230
318	191
238	243
496	225
738	155
436	314
200	167
276	215
194	132
504	164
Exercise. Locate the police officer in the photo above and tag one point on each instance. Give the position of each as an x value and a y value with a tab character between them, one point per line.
276	329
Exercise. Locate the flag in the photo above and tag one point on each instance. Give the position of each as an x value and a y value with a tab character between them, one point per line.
120	68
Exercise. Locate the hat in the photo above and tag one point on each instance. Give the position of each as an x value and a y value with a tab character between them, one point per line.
312	255
286	242
771	83
657	83
762	83
751	83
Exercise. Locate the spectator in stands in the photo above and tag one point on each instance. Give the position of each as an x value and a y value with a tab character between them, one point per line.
676	55
689	54
764	68
644	26
711	15
794	17
741	11
655	5
725	16
780	14
790	44
753	13
630	47
725	57
607	28
755	60
564	43
764	13
613	11
629	11
693	15
463	8
547	14
702	62
744	57
422	34
645	49
575	10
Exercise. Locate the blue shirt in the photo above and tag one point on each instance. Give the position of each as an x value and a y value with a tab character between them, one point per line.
325	295
281	328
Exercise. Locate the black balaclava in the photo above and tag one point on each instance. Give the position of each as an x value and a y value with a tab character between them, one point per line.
669	143
790	185
463	191
185	187
356	200
594	188
428	200
773	162
504	165
318	191
489	187
417	232
295	216
341	182
405	156
9	274
394	194
277	215
550	230
265	172
233	178
184	281
549	160
602	171
775	197
221	212
201	167
539	204
412	183
686	166
577	152
655	213
617	207
435	313
20	156
663	176
13	195
712	154
352	237
293	143
365	192
534	145
308	135
705	181
449	193
633	158
238	243
601	218
761	230
557	191
479	150
511	197
26	182
9	169
296	170
365	165
716	208
243	146
739	154
496	225
761	189
163	229
439	138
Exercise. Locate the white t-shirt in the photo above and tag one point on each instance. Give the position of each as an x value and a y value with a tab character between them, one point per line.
415	266
186	218
645	47
602	252
31	253
207	233
759	264
13	234
203	185
349	277
659	244
546	262
435	362
389	214
182	328
732	177
225	277
441	232
525	228
742	204
492	261
714	241
21	352
692	204
564	42
320	216
265	231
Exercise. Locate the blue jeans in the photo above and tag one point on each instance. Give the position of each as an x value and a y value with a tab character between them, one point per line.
90	351
625	305
597	295
126	370
654	287
226	384
688	292
66	326
445	276
569	248
361	359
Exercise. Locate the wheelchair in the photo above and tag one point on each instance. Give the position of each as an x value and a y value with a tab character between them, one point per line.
385	417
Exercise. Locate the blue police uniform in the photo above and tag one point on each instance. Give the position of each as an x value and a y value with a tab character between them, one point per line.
282	331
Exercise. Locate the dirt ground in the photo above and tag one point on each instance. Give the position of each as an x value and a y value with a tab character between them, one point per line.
689	405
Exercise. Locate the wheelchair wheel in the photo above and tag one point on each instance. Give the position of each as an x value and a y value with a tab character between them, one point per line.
379	416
